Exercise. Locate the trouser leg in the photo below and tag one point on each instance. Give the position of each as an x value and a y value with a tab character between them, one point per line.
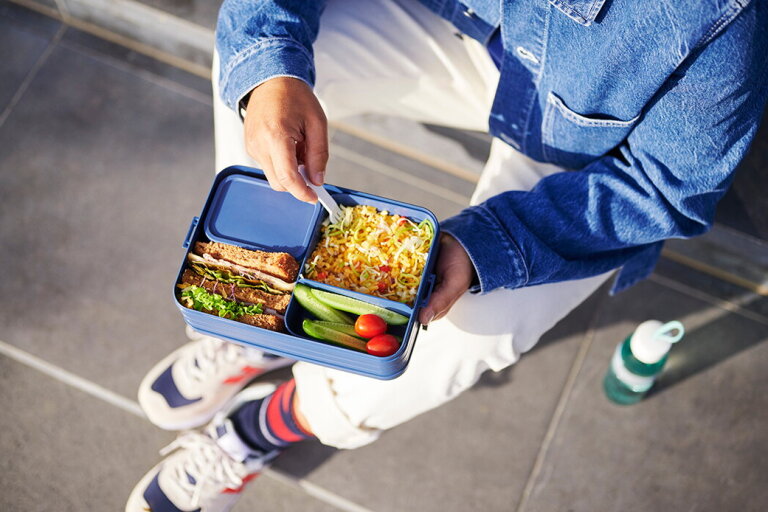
480	332
398	58
228	136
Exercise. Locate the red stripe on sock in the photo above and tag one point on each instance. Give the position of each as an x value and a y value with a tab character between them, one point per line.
287	395
275	422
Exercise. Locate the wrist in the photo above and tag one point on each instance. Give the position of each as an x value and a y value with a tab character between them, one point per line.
286	83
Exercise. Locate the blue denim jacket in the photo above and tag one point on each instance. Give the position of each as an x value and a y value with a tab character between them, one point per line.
650	105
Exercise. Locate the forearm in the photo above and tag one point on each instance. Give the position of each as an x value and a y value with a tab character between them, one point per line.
257	41
663	181
570	226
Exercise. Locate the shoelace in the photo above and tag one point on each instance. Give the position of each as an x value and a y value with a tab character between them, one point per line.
211	468
210	355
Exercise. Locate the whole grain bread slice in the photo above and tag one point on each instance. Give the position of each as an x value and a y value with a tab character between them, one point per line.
278	264
270	322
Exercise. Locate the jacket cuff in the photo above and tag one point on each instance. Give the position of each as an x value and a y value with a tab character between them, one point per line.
497	259
265	60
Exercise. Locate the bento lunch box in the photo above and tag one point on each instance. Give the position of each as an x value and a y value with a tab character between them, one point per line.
242	210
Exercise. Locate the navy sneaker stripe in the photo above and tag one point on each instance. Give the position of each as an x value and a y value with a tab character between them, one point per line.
158	501
166	387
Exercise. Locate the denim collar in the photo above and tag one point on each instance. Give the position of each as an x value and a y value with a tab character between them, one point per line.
581	11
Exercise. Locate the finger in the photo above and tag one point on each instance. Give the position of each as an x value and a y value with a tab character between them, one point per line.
446	293
286	168
316	149
261	157
269	172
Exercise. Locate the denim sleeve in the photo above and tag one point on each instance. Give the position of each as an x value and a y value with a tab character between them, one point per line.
663	182
259	40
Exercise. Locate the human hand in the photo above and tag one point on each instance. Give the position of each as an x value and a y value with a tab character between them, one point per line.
454	273
285	126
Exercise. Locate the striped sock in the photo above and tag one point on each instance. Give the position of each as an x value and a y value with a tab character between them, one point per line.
270	423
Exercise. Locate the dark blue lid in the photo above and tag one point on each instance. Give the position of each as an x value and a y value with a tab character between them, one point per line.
246	211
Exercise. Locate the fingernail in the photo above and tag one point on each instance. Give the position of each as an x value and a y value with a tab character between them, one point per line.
430	317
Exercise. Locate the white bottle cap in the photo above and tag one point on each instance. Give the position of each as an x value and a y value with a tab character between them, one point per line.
652	340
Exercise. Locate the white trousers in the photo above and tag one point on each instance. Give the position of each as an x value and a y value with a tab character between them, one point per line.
398	58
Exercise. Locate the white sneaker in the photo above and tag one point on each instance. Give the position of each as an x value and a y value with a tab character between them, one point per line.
188	387
203	472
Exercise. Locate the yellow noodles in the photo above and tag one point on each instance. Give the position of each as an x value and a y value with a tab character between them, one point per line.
372	252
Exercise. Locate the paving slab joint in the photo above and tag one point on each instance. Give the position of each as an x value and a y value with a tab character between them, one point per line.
726	254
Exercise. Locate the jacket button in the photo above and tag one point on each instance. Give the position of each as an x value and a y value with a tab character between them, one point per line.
469	13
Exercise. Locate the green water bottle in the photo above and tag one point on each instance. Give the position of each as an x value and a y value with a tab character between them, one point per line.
639	359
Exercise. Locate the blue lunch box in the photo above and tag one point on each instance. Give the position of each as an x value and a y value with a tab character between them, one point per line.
243	210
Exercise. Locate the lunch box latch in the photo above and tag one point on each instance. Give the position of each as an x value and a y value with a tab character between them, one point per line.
192	226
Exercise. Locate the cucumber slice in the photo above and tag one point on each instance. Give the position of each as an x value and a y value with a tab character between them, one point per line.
358	307
336	326
303	294
326	334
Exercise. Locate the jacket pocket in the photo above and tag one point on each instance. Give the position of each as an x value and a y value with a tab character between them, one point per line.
574	140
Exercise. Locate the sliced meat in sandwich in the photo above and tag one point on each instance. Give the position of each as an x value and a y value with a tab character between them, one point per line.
274	272
252	287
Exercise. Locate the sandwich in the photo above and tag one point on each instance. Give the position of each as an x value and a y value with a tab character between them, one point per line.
253	287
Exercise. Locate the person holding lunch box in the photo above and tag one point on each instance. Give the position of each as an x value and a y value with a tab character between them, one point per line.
617	125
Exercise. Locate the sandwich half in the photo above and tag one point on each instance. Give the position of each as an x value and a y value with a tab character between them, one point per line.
252	287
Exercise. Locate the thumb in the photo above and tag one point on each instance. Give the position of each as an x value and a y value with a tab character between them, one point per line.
316	149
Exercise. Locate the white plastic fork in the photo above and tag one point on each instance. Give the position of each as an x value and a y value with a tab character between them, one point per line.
334	212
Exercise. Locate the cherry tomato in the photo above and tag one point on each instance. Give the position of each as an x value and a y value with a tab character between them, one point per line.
385	268
322	274
370	325
382	345
382	286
